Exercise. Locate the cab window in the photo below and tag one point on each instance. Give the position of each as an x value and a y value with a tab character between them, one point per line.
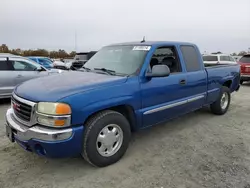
22	66
166	56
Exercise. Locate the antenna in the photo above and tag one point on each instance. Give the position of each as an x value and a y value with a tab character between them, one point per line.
143	40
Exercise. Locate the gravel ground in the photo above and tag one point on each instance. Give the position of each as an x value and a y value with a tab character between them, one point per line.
196	150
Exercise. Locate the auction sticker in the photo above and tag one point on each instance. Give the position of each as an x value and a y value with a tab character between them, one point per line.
143	48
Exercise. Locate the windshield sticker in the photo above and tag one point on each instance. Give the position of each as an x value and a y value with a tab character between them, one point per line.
144	48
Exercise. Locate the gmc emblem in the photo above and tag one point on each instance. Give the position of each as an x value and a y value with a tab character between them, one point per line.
16	106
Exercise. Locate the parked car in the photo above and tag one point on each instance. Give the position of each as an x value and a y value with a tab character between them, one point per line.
218	59
15	70
62	65
80	59
244	63
122	88
44	61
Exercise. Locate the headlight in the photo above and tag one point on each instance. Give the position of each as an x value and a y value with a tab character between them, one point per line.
53	108
53	114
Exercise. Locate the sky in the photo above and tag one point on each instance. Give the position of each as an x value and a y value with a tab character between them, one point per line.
82	25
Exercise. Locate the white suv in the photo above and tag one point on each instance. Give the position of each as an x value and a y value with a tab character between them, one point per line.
218	59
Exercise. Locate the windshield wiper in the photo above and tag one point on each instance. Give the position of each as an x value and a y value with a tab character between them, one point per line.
85	68
110	72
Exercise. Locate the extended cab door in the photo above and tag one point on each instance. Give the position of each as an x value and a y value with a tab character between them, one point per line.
196	77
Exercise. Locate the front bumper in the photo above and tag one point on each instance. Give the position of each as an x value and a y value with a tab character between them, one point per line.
48	142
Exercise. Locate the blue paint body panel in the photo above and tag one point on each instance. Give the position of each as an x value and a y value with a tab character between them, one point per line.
57	149
88	93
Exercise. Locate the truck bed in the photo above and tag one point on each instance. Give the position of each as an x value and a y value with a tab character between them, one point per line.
217	75
212	65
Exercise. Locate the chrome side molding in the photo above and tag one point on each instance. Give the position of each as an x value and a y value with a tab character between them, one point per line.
173	105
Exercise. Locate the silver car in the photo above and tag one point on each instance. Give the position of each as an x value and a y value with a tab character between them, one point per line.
15	70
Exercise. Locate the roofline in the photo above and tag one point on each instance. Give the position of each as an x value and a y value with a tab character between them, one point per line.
150	43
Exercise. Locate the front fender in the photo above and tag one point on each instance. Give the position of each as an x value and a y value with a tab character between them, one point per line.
80	116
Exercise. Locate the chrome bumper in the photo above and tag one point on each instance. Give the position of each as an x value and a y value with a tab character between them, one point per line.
245	75
25	133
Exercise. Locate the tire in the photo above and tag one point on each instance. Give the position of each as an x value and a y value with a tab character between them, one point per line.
241	82
217	107
94	152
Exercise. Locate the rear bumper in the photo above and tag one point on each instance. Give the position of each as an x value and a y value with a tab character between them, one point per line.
245	77
46	141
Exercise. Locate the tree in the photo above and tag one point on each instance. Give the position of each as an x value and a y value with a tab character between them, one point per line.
72	54
242	53
62	53
4	48
38	52
217	52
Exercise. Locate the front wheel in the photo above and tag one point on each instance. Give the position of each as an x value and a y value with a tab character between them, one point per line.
221	105
106	138
241	82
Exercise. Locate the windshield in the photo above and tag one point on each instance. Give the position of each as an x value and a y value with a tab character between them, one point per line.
245	59
49	60
121	59
210	58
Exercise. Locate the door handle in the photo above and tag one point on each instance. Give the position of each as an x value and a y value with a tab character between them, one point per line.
182	82
19	76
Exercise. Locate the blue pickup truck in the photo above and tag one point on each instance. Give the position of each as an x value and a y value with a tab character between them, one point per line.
122	88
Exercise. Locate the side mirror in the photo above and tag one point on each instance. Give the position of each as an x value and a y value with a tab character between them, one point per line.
159	71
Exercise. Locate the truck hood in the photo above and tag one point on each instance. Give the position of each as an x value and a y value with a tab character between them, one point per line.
57	86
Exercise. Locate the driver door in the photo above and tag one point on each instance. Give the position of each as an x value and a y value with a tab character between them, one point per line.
164	97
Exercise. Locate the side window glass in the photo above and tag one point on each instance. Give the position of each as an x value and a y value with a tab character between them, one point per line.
23	66
4	66
166	56
43	61
33	59
231	59
191	58
224	58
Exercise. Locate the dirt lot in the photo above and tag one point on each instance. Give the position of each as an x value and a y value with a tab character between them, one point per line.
197	150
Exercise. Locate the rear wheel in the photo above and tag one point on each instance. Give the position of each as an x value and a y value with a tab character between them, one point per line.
221	106
106	138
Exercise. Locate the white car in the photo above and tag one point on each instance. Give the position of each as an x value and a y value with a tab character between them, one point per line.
62	65
218	59
15	70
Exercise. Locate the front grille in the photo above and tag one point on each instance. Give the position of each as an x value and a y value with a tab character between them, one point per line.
22	111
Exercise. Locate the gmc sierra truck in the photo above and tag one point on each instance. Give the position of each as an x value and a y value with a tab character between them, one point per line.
122	88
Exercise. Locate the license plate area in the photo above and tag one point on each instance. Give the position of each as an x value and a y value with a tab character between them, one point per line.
9	133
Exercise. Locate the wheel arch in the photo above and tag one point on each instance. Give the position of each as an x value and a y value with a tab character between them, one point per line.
126	110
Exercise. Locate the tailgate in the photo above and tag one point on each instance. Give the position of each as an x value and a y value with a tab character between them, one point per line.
245	69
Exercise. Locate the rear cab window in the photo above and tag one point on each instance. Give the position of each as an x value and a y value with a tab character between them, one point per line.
191	58
210	58
245	59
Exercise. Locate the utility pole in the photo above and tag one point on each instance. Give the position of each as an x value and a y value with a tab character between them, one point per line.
75	41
